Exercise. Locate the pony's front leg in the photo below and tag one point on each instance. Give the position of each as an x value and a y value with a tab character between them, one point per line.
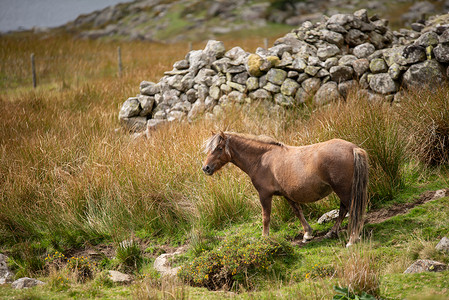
265	201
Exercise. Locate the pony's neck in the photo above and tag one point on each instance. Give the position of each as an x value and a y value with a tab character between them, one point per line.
246	154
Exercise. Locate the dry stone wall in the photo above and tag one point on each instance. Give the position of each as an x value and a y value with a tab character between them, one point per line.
318	61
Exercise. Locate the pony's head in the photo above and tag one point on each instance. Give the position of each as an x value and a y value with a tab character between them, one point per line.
217	151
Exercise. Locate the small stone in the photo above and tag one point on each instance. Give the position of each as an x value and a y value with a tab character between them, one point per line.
130	108
364	50
119	277
341	73
360	66
443	245
383	84
311	85
333	37
181	65
289	87
327	51
441	53
427	39
146	103
346	60
236	96
330	62
425	265
395	71
276	76
424	74
312	70
260	94
148	88
252	83
26	282
239	87
418	27
299	65
253	65
271	87
5	273
378	65
283	100
327	93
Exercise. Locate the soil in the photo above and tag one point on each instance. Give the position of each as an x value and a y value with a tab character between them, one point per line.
380	215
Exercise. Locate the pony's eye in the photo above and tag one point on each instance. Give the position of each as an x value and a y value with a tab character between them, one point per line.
220	148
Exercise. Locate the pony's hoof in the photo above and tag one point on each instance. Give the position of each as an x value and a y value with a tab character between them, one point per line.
307	237
331	235
349	244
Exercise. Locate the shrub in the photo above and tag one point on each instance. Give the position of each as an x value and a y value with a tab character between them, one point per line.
231	263
425	117
81	268
129	255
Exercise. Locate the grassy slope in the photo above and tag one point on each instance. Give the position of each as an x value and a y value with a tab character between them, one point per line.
68	179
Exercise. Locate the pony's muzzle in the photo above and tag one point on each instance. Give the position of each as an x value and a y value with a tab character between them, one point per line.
208	170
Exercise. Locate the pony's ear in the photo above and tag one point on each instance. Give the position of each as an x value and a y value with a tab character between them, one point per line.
212	132
223	136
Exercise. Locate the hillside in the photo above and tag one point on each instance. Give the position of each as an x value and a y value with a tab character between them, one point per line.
168	20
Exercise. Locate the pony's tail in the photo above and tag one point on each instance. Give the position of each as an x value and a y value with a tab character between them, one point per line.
359	194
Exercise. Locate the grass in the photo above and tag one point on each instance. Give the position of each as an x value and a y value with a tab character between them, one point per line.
69	179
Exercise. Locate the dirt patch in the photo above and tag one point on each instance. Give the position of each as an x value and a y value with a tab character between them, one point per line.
380	215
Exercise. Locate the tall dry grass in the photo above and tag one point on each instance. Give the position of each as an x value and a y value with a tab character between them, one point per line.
67	176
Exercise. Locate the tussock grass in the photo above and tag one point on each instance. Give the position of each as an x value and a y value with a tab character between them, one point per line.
68	177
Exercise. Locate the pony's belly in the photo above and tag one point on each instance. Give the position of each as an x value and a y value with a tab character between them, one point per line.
310	193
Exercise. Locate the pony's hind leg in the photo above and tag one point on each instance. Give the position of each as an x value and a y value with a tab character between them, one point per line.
333	233
308	231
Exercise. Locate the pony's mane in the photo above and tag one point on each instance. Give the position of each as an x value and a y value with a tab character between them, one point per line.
211	143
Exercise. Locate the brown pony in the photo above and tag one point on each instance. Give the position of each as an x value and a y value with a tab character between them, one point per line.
300	174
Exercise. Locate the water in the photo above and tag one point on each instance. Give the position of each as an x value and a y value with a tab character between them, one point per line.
26	14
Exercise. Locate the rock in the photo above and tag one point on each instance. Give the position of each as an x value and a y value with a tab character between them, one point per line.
439	194
383	84
346	60
146	103
283	100
215	92
312	70
253	64
181	65
345	87
119	277
130	108
134	124
329	216
152	125
236	96
378	65
441	53
444	37
276	76
289	87
311	85
427	39
404	55
328	51
148	88
162	264
418	27
197	108
425	73
26	282
425	265
214	50
299	65
196	61
360	66
176	115
341	73
330	62
260	94
237	55
5	273
271	87
443	245
239	87
327	93
395	71
355	37
363	50
333	37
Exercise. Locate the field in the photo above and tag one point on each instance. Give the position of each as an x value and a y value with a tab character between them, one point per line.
73	182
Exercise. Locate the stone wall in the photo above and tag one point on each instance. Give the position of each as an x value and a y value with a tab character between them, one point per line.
318	61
